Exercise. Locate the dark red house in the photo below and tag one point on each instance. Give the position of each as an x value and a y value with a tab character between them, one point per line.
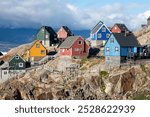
63	33
74	46
119	28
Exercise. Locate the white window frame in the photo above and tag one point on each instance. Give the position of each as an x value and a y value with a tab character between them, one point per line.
116	49
107	49
79	42
103	29
43	29
99	35
17	57
46	36
107	35
76	49
20	65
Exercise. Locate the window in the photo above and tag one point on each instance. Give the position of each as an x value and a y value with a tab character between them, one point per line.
116	49
107	35
107	49
20	64
46	36
17	57
99	35
76	49
37	45
103	29
80	42
63	50
42	51
5	72
111	40
42	29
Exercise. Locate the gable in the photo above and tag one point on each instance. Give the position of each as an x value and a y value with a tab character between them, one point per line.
115	28
112	45
17	58
41	46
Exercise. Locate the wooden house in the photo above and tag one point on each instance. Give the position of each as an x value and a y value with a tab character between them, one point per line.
47	36
119	28
74	46
17	63
36	52
99	35
119	47
63	33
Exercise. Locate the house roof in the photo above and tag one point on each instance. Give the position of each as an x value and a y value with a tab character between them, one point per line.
67	30
129	40
122	27
49	29
98	25
69	42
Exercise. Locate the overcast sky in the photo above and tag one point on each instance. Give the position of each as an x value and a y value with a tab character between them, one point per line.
76	14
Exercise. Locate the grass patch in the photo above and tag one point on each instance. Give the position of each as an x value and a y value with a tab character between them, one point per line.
142	96
103	74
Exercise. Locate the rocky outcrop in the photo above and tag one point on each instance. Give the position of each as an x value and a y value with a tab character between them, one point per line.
43	83
143	35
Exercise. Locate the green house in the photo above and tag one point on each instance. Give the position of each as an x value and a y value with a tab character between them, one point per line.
17	63
47	36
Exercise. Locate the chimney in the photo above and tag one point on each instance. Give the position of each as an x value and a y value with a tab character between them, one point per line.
126	33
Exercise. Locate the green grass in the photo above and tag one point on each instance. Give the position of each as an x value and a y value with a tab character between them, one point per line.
103	74
142	96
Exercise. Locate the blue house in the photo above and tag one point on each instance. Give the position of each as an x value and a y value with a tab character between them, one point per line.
119	47
99	35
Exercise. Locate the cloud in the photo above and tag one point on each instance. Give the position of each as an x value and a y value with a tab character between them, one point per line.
33	13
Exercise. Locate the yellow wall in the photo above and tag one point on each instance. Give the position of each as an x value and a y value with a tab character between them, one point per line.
36	52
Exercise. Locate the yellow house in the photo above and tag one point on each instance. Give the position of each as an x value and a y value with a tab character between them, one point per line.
36	52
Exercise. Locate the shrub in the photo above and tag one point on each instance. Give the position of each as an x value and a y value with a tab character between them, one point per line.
103	74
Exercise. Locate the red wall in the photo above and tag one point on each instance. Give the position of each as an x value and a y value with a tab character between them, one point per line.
62	33
65	52
115	29
76	46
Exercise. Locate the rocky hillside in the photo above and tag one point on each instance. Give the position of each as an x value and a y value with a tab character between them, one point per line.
46	82
143	35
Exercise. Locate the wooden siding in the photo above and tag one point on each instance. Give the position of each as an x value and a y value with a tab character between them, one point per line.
115	29
36	51
62	34
15	61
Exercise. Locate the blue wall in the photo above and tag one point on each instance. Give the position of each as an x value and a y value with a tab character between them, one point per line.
112	47
123	51
103	34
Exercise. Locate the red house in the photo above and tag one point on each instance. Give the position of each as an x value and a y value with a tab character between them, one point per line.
63	33
119	28
74	46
